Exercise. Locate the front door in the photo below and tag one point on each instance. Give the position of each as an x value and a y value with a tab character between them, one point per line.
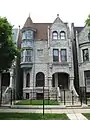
63	80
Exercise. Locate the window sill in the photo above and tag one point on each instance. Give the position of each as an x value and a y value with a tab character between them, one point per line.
59	39
60	63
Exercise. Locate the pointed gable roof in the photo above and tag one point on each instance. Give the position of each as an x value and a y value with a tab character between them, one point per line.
28	23
58	20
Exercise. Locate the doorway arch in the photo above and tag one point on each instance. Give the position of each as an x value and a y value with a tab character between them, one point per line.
60	79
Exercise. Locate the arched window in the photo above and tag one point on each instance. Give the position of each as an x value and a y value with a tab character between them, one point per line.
28	80
40	79
55	35
62	35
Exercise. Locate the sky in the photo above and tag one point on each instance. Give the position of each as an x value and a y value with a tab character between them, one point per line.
42	11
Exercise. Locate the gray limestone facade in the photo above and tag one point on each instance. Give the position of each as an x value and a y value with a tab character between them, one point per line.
46	58
82	38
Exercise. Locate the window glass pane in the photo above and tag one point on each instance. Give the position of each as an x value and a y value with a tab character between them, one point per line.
29	34
23	35
55	35
62	35
85	55
55	52
40	79
28	56
28	52
63	55
55	55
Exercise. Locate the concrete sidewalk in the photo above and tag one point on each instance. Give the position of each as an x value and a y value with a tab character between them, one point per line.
77	116
59	111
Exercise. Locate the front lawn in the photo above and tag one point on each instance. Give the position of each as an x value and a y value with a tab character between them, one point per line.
32	116
87	115
37	102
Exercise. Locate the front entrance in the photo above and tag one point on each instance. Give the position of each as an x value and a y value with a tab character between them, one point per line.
60	80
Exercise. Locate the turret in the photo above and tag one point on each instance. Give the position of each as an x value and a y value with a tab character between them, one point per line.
28	36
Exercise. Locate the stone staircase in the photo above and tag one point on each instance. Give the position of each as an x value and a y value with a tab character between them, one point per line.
61	95
53	93
6	95
68	95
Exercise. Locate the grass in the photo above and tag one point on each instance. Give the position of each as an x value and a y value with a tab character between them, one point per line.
32	116
87	115
37	102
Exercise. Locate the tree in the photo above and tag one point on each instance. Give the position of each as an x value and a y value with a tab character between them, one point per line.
8	51
88	20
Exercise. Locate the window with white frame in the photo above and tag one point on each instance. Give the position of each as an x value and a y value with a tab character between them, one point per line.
56	55
63	53
28	55
54	35
62	35
85	55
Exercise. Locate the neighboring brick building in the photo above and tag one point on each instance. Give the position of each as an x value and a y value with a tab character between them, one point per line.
46	58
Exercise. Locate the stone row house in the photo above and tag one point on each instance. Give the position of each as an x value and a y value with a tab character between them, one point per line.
81	49
54	57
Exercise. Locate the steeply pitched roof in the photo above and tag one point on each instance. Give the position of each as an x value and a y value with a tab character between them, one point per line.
58	19
78	29
41	30
28	23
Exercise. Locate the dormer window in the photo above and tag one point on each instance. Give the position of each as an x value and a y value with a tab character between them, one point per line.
27	34
62	35
55	35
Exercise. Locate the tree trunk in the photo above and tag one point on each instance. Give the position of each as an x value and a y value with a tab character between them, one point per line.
0	89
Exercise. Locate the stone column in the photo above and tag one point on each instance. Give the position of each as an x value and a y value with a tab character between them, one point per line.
11	79
50	82
24	79
71	83
56	80
46	81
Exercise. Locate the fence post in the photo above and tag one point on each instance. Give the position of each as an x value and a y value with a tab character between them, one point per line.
72	98
81	95
85	92
64	97
11	97
48	96
43	98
